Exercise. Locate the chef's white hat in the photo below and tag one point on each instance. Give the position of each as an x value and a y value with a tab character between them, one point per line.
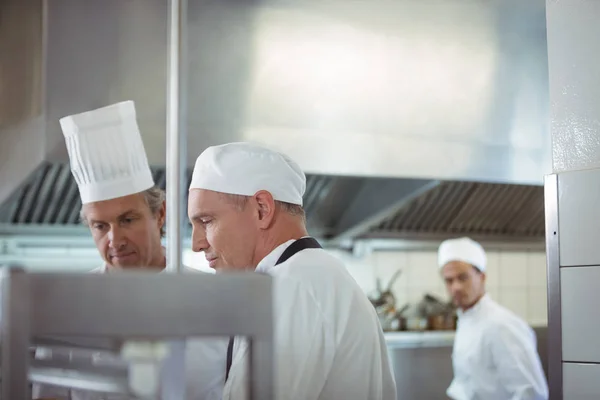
462	249
107	154
244	169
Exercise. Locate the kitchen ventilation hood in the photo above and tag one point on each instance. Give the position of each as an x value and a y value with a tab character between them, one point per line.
419	101
339	209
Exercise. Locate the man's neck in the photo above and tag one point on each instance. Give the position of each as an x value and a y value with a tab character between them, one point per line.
474	303
159	261
275	240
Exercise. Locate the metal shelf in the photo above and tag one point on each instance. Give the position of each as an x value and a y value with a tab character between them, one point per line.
128	306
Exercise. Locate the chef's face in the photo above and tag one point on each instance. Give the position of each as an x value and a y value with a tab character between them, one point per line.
225	232
465	283
126	232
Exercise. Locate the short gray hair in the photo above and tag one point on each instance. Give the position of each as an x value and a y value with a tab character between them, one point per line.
239	201
154	197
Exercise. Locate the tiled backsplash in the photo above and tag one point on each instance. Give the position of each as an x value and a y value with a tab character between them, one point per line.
516	280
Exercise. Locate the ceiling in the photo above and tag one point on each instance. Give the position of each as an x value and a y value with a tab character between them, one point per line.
339	209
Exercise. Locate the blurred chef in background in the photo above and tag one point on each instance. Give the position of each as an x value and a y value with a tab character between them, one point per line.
495	355
125	213
245	205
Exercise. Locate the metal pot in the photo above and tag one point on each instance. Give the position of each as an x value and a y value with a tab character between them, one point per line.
444	322
416	324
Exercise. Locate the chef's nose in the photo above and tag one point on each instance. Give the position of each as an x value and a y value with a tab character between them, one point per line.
116	238
199	242
456	286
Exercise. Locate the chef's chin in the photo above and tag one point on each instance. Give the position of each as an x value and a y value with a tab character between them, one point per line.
127	264
460	302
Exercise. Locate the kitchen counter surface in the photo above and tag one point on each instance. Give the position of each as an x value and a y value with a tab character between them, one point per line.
413	340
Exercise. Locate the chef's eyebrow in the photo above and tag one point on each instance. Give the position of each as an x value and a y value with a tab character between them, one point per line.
127	213
120	216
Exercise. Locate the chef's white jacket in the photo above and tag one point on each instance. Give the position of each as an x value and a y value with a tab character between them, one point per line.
328	341
495	356
205	371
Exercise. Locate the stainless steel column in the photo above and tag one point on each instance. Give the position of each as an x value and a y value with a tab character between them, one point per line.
176	131
555	384
173	387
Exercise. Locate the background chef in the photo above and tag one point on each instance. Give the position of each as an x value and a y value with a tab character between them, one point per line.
494	354
125	213
245	204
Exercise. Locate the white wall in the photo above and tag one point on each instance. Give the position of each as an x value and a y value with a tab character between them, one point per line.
516	280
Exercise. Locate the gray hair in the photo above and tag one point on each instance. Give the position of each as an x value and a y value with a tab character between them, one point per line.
239	201
154	197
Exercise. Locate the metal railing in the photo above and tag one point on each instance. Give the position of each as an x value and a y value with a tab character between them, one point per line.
40	307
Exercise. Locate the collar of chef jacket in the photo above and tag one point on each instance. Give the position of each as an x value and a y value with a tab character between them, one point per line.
477	309
268	263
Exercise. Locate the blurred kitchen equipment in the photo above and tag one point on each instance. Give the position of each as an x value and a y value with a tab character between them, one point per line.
386	297
428	314
442	322
413	317
416	323
440	315
385	305
401	321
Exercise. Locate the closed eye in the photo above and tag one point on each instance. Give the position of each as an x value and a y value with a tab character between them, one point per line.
202	219
128	218
98	226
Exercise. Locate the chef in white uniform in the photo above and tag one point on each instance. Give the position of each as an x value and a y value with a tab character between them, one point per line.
125	212
494	355
245	205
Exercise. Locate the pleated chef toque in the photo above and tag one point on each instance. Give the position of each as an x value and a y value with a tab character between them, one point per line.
106	152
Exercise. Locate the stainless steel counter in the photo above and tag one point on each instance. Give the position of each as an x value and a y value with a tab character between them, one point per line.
412	340
422	362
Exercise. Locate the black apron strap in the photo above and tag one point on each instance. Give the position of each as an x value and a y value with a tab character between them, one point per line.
296	247
229	357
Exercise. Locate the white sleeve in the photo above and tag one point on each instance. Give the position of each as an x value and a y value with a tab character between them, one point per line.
519	368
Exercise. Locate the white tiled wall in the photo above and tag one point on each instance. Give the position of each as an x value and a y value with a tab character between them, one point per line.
516	280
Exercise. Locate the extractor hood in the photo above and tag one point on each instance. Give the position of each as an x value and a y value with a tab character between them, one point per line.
362	94
339	209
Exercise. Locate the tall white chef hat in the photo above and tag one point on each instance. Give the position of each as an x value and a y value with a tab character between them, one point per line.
106	151
462	249
244	169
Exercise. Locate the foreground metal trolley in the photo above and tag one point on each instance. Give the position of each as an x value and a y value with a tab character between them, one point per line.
134	306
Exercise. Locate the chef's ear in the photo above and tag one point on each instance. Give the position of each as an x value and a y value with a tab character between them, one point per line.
162	212
265	207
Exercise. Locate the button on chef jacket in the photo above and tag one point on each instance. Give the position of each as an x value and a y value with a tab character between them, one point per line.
328	341
204	370
495	356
